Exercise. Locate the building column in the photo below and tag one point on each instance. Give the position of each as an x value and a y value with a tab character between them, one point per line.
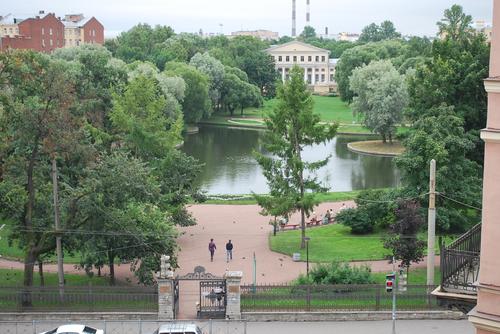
486	315
313	77
283	74
165	282
233	294
305	74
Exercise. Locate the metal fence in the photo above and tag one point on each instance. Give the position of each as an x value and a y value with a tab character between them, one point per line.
285	297
83	299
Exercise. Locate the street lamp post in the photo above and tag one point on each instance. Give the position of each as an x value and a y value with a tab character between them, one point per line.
306	239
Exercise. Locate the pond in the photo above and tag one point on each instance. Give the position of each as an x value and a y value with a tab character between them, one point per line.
231	169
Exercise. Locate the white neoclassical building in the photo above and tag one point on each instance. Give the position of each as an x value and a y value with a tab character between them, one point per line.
319	69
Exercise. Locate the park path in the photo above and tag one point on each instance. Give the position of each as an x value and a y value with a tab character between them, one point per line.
249	232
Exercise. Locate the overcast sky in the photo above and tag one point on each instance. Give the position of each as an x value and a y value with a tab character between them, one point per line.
415	17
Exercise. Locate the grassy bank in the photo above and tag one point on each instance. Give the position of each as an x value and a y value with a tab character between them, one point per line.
248	199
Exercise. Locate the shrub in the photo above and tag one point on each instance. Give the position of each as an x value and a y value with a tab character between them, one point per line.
357	219
337	273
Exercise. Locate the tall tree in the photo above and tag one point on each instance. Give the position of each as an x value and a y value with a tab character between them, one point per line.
376	33
362	55
292	126
381	96
440	135
196	102
42	125
308	33
214	70
455	25
402	239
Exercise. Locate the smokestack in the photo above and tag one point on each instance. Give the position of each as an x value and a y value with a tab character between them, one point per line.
326	31
294	19
308	13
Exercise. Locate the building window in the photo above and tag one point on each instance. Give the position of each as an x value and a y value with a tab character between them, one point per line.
316	78
323	58
322	78
309	79
43	31
50	31
302	58
50	42
309	58
280	58
287	58
93	32
294	59
331	78
317	58
10	30
43	43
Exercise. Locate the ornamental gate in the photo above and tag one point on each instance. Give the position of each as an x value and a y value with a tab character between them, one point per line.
212	294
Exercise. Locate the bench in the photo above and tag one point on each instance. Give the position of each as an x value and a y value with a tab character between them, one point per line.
289	226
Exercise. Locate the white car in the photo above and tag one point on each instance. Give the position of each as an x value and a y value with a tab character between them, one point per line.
178	329
74	329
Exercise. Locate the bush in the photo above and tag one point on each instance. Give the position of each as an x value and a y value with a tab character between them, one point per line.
357	219
337	273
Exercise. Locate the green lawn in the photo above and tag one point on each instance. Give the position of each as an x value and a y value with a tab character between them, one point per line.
329	243
416	276
13	252
13	277
335	243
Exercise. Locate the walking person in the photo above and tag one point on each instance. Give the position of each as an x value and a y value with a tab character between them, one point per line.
229	251
211	249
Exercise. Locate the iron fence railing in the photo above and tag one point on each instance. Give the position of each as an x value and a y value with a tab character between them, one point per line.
283	297
83	299
460	262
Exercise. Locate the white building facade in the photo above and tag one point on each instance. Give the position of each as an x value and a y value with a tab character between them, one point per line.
319	69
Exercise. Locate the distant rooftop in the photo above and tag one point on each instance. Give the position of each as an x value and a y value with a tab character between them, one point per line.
74	20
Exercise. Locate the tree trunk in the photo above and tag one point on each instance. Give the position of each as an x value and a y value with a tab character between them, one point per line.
384	138
98	271
303	227
40	272
111	263
60	265
29	266
390	137
241	111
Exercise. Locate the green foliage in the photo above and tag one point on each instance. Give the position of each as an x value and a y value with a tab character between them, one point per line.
337	273
375	33
440	135
363	55
307	33
381	96
214	70
357	219
196	102
455	25
293	125
403	239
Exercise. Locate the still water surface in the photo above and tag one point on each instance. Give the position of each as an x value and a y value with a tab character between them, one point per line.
231	169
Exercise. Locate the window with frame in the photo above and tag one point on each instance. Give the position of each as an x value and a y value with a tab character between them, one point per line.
317	58
322	58
43	31
302	58
309	58
287	58
51	42
50	31
294	59
280	58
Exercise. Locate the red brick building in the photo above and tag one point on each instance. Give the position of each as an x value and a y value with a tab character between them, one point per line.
46	33
42	34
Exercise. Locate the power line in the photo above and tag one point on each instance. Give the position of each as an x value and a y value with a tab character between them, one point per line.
459	202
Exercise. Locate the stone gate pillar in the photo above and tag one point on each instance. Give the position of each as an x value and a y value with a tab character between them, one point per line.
233	282
165	280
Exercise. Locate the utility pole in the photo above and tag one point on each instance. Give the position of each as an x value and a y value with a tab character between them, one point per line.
431	224
254	273
394	296
60	267
1	227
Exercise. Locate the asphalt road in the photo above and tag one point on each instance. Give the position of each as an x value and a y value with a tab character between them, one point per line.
222	327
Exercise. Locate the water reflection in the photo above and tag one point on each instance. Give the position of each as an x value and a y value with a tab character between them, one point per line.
231	169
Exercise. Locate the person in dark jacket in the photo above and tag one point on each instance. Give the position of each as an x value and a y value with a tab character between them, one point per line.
229	251
211	249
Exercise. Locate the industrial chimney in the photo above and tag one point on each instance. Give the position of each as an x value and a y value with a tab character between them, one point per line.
294	26
308	13
326	31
